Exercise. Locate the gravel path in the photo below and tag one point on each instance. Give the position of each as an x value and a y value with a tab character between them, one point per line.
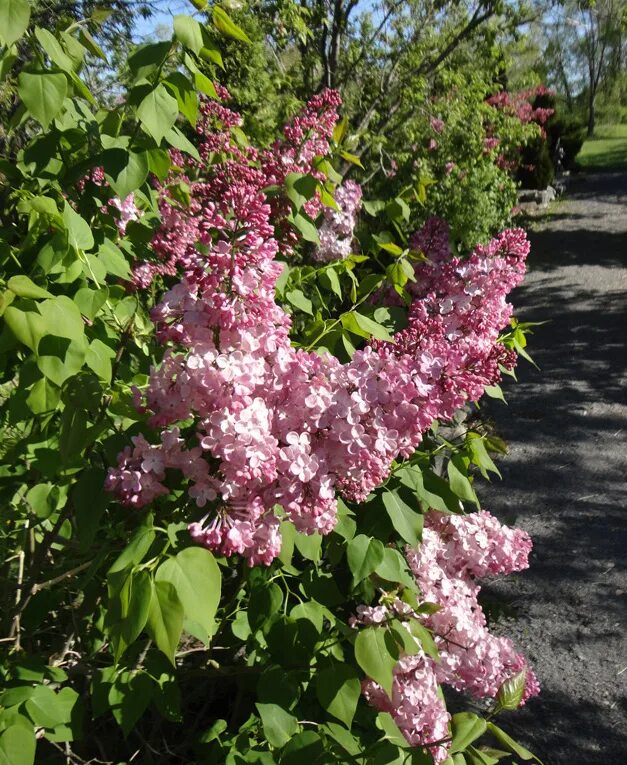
565	479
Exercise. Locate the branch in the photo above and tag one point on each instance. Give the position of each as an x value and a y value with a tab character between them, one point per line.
370	42
429	66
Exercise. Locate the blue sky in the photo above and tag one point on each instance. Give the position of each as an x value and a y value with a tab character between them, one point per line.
145	28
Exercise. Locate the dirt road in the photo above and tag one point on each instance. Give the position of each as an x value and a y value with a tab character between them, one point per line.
565	479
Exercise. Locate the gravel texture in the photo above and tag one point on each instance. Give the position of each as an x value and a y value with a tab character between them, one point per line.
565	479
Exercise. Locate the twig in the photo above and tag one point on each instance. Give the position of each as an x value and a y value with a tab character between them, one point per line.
35	588
51	582
15	628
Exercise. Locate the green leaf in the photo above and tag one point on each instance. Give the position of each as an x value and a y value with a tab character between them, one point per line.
406	642
278	725
340	130
210	52
265	601
298	300
363	554
188	32
374	657
397	209
303	747
98	359
421	633
175	138
27	326
80	88
90	301
6	64
331	281
476	756
338	690
16	696
43	397
54	50
396	274
283	277
513	746
48	709
495	391
373	206
458	479
165	618
61	316
511	691
17	746
130	611
346	525
392	248
128	698
43	499
126	170
393	568
349	322
204	85
386	723
135	550
373	328
185	95
466	728
352	158
344	738
406	521
306	227
113	260
480	455
43	94
312	611
433	491
327	199
227	26
79	232
158	112
59	358
195	576
14	18
25	287
309	545
300	188
147	58
87	41
159	163
89	503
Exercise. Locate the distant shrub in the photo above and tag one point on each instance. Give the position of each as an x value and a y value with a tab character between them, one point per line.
536	169
563	131
569	134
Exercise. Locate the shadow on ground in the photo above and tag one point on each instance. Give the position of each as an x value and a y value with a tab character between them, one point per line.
565	481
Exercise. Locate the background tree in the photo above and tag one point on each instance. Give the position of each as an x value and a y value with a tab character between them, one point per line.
583	54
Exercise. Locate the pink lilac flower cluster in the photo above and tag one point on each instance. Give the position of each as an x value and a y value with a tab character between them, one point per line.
274	425
489	144
126	208
437	125
226	170
519	104
454	550
336	231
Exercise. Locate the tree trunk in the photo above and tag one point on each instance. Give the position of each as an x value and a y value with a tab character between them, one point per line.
591	112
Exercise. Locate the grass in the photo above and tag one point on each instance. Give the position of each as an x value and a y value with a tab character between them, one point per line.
607	150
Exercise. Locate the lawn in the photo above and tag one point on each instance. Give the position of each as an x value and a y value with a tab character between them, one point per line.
607	150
